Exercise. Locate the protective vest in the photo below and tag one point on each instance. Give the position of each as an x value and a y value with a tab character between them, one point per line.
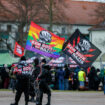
81	76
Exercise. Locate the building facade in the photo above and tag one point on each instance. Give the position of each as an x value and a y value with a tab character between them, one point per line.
77	15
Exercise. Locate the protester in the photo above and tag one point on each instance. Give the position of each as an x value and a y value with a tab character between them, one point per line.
66	77
53	83
4	76
35	73
75	81
44	79
37	69
12	79
22	71
56	79
60	75
92	76
7	79
97	79
71	80
82	79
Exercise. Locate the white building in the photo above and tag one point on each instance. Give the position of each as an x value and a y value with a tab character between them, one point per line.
97	36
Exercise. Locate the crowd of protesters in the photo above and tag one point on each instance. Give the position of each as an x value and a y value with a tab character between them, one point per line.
63	78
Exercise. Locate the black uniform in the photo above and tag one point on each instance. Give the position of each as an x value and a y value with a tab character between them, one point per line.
44	80
32	90
22	72
36	72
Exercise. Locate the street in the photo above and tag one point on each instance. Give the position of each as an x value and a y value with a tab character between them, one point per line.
60	98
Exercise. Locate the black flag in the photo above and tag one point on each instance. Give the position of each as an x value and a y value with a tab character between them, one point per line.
81	49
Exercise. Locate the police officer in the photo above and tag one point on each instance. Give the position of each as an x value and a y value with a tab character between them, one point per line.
22	71
44	78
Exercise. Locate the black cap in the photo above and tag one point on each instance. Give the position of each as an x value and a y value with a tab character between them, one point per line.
43	60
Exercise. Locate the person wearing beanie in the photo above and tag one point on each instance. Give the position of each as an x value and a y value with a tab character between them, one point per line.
22	72
44	81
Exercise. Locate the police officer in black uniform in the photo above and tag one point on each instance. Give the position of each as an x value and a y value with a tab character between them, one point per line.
44	80
23	76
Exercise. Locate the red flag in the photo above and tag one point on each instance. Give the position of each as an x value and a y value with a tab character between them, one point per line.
18	50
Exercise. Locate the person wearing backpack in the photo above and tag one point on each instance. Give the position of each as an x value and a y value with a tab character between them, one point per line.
23	72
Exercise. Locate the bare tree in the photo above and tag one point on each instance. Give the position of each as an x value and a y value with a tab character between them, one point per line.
54	11
22	12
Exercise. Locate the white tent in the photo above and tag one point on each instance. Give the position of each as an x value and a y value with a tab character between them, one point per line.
6	58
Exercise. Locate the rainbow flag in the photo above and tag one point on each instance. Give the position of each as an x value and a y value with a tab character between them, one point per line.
44	42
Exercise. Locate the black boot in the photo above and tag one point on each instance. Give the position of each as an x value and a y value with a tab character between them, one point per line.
47	104
49	99
38	104
13	104
26	103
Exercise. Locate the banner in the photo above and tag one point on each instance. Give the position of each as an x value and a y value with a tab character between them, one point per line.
81	49
27	69
18	50
31	60
72	63
62	61
59	62
44	42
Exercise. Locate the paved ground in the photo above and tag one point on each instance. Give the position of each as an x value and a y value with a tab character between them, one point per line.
60	98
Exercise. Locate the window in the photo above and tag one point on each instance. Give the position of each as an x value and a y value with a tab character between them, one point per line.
63	30
9	28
